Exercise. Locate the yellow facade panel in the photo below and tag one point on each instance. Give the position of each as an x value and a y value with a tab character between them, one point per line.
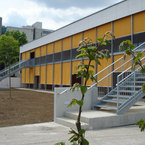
49	73
50	48
31	75
67	43
91	34
37	52
27	76
37	70
28	55
57	46
107	81
57	74
43	75
43	50
139	22
122	27
74	64
23	56
76	39
66	73
23	75
101	30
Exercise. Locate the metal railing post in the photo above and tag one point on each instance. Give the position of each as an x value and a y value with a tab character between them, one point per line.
117	93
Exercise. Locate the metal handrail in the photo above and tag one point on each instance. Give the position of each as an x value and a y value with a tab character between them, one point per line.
134	50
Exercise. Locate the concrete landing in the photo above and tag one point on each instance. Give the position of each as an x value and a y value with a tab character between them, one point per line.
103	118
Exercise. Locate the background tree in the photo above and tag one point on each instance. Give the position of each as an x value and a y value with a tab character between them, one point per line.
21	37
128	50
9	52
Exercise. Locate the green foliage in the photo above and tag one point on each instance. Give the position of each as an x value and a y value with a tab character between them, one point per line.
60	143
141	124
20	37
9	50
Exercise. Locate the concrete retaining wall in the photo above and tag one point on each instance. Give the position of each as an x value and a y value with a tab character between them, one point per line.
15	83
61	101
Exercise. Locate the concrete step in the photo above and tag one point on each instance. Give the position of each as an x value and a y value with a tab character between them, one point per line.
106	106
70	122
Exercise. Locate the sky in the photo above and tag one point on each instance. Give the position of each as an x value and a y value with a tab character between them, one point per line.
52	13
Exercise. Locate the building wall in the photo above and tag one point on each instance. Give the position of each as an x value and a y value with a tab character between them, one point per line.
0	25
58	57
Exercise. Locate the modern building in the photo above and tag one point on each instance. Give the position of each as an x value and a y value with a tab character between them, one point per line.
53	56
0	25
32	32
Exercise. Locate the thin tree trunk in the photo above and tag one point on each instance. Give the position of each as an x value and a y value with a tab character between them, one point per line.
10	83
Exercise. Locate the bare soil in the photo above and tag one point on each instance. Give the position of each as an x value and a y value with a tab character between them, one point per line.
25	107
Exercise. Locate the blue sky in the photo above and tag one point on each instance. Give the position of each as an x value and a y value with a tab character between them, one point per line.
52	13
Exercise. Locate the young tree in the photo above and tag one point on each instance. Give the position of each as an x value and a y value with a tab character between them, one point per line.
128	49
9	52
21	37
92	53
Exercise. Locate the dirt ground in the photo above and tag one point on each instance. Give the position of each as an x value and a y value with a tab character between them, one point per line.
25	107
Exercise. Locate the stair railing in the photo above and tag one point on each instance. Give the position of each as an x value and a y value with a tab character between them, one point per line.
105	76
126	74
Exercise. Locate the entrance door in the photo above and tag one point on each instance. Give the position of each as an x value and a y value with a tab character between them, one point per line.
37	78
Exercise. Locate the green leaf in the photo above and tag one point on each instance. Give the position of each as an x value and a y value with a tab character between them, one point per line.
60	143
83	89
103	43
85	142
100	39
80	102
143	88
139	54
81	55
82	131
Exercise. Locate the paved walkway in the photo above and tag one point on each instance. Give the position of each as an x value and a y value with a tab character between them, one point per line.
50	133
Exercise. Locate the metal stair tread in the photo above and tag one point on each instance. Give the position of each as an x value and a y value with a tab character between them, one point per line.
126	91
106	106
112	101
120	96
129	86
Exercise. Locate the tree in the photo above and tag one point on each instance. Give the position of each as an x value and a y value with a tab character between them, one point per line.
9	52
21	37
128	49
92	53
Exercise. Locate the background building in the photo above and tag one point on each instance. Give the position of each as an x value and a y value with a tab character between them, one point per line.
54	55
32	32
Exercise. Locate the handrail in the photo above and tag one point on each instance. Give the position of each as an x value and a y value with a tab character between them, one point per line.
134	50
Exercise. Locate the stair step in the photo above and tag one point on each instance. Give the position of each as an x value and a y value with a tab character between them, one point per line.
113	101
125	91
106	106
131	81
69	122
120	96
130	86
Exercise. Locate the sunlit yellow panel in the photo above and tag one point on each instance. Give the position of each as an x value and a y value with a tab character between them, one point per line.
76	39
91	34
50	48
57	73
43	50
28	55
57	46
37	52
27	75
67	43
66	73
23	75
37	70
49	73
31	75
139	22
43	74
101	30
122	27
23	56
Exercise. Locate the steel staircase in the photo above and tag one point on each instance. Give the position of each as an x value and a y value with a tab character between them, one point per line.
13	69
128	88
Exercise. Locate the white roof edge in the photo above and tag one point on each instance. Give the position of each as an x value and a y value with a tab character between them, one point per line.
127	7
